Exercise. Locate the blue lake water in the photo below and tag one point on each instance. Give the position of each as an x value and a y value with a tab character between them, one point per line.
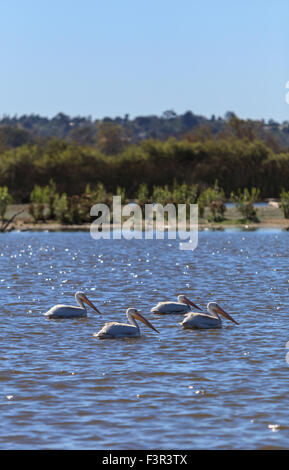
62	388
256	204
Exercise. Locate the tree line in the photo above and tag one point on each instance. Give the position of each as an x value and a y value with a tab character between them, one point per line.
235	163
111	135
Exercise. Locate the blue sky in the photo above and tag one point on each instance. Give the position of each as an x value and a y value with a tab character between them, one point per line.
109	58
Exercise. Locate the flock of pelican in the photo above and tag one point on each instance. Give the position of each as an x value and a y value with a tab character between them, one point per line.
192	320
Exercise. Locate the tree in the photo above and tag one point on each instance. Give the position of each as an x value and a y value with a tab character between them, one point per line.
110	138
189	120
242	129
199	134
11	137
170	114
84	135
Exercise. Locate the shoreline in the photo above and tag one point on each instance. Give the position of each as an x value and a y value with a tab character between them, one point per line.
270	217
55	227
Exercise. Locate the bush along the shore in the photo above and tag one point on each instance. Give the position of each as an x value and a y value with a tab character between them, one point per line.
48	204
73	210
42	199
245	202
214	198
5	200
284	196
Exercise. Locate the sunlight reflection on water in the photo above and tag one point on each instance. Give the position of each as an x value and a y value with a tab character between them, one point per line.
63	388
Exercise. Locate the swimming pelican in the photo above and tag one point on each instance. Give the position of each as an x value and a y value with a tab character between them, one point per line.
70	311
203	320
124	330
182	306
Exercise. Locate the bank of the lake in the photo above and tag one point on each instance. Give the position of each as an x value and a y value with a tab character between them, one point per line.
269	216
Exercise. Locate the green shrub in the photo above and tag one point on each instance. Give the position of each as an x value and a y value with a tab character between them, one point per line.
122	193
49	195
37	203
73	210
184	194
161	195
5	200
60	208
218	209
214	198
142	196
245	202
285	203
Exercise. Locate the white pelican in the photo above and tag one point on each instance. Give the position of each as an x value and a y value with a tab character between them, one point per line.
71	311
203	320
124	330
182	306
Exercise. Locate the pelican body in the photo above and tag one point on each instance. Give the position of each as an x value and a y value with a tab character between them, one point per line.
195	320
71	311
124	330
184	305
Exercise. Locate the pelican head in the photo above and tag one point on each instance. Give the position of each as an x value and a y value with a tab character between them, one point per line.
133	312
184	300
213	307
82	297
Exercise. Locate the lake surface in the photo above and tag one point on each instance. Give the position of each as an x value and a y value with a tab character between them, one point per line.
256	204
62	388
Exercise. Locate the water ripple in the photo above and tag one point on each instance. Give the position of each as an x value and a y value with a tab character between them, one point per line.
64	389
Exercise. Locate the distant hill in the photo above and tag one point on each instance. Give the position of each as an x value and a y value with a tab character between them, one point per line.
16	131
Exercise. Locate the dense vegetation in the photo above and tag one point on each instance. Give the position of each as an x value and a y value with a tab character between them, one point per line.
235	163
47	204
121	153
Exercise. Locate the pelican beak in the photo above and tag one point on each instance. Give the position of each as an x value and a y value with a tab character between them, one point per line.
139	317
189	302
226	315
87	301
